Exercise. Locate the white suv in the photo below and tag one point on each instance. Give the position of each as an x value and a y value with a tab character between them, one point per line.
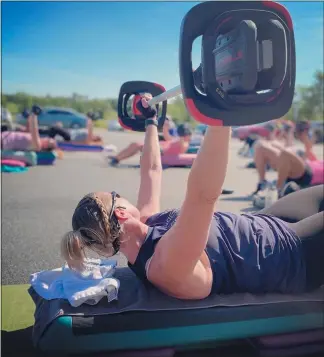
6	117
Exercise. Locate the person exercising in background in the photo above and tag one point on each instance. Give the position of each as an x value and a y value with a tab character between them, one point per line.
170	146
85	135
50	132
304	169
277	133
31	137
27	141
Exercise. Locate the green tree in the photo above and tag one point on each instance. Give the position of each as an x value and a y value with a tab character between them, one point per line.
311	98
310	103
12	107
4	100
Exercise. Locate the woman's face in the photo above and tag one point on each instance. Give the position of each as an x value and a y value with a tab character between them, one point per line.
48	143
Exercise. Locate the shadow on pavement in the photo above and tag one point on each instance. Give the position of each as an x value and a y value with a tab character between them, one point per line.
238	199
18	343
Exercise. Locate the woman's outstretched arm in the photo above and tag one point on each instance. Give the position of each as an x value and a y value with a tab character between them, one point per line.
149	194
179	251
32	124
208	171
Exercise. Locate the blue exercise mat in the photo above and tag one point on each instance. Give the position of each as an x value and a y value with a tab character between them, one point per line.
145	318
79	147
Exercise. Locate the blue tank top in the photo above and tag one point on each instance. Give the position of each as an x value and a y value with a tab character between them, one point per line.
248	253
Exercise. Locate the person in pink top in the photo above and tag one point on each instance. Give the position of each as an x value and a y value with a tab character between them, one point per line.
31	137
170	146
27	141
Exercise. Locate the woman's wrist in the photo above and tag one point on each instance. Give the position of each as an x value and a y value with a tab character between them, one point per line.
151	122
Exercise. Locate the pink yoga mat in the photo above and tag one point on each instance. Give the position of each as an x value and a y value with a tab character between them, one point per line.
15	163
178	160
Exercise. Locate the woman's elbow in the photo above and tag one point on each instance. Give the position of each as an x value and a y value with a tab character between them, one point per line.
156	168
203	197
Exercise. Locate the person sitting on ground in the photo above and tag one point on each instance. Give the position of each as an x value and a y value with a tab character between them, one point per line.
170	131
170	146
302	168
275	145
193	252
180	144
279	134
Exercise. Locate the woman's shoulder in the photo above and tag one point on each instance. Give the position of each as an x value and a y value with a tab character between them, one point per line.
165	218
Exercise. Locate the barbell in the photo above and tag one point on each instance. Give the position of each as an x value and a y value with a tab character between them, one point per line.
247	72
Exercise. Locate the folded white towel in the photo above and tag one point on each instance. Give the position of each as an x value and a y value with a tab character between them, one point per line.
89	286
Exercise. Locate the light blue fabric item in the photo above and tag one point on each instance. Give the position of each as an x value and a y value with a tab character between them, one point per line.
13	169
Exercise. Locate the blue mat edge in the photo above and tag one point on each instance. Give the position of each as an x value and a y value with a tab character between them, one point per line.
61	328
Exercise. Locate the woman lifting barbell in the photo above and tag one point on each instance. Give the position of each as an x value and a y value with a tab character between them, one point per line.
191	252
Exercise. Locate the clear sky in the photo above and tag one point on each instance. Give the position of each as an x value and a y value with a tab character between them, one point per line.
91	48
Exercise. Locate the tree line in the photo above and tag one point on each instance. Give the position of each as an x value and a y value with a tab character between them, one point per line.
308	103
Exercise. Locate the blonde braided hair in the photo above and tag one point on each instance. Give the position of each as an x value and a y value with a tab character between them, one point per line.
74	242
111	230
104	212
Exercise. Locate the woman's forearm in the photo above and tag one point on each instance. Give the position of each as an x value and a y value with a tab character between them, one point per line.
33	129
151	155
208	171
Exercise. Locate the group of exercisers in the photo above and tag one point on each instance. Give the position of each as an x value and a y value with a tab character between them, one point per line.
195	251
295	168
273	150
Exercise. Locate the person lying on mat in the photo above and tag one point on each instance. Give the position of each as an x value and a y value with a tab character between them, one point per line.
302	168
80	136
170	132
86	135
170	146
26	141
51	132
195	251
26	138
